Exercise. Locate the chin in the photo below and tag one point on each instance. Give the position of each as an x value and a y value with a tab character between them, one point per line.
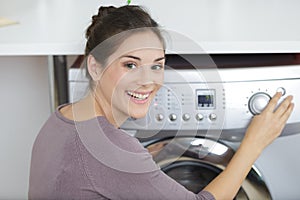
138	112
138	115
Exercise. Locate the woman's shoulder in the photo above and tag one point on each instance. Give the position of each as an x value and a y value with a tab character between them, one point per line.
100	130
103	144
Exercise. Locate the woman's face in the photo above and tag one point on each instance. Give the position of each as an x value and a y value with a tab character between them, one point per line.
133	76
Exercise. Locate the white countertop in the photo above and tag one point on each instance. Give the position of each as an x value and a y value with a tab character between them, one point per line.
56	27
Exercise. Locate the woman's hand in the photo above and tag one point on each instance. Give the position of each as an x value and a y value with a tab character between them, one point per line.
263	129
268	125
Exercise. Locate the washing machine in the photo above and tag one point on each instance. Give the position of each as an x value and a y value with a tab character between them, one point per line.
199	116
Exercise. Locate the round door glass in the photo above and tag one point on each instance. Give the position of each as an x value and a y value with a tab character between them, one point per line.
194	176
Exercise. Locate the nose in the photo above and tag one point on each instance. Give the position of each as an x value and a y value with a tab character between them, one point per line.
145	76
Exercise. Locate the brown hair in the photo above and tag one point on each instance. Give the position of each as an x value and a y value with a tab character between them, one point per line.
119	23
111	21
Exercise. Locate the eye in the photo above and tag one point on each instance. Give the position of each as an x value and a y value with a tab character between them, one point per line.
156	67
130	65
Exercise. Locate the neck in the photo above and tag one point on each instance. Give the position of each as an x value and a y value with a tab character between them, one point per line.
100	107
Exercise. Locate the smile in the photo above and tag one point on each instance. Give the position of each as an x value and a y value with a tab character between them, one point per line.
139	96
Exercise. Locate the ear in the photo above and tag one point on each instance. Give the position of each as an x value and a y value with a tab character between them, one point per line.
94	68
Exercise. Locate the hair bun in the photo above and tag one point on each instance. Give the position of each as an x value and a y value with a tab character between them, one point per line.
102	13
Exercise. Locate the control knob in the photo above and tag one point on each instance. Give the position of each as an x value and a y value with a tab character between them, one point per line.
258	102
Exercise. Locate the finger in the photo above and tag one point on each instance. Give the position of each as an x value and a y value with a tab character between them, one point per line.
283	106
288	112
273	102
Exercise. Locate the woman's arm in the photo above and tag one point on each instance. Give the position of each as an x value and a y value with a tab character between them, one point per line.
263	129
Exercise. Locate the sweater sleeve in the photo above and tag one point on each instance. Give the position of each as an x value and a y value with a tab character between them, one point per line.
119	184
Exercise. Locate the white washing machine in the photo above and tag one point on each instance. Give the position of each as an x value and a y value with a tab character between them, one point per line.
77	83
280	164
199	116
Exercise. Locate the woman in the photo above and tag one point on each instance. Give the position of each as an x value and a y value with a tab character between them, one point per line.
81	154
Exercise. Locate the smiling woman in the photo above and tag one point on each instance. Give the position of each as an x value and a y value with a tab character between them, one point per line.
80	153
129	82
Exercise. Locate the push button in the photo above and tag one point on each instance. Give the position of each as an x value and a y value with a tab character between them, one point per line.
173	117
186	117
199	117
282	90
212	116
159	117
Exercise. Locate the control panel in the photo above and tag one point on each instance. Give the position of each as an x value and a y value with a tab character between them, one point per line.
192	103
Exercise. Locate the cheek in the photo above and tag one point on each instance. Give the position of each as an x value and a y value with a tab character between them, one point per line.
159	78
117	81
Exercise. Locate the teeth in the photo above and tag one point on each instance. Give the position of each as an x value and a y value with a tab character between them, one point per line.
137	95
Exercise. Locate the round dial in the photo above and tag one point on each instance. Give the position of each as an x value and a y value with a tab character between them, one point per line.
258	102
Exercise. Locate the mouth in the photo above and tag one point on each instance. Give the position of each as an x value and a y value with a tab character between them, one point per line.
139	96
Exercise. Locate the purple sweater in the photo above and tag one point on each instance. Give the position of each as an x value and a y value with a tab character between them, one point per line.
94	160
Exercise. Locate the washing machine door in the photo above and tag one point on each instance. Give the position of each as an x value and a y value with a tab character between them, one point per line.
195	162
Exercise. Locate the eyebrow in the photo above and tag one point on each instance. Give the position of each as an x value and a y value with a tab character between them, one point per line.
137	58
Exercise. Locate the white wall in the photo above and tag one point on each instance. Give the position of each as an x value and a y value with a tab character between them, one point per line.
24	106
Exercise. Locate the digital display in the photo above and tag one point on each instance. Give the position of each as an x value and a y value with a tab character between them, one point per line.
205	99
